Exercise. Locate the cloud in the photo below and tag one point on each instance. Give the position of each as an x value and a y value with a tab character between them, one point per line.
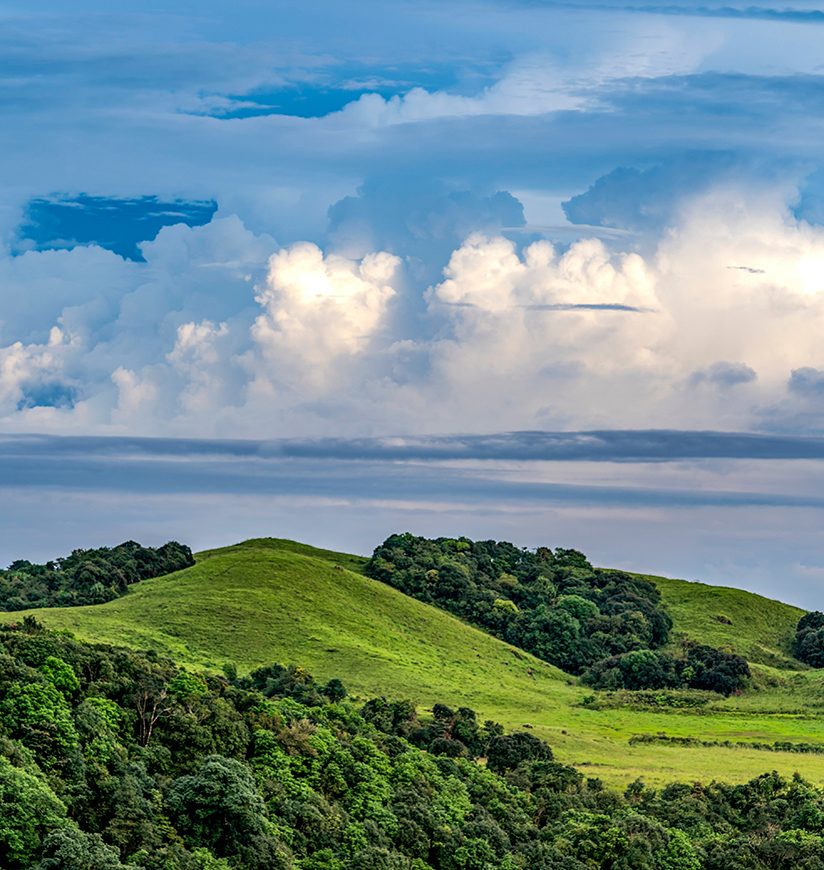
221	330
318	312
807	381
532	86
724	9
421	219
31	371
648	199
528	329
724	374
610	446
376	475
538	83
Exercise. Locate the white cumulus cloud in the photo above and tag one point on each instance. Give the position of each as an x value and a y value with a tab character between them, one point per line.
319	310
222	332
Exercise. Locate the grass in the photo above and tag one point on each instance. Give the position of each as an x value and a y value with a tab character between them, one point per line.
755	627
270	600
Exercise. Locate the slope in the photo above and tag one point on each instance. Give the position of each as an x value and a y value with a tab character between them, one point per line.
269	600
758	628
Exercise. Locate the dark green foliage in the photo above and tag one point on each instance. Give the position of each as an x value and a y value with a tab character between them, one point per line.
220	807
777	746
453	733
278	771
68	848
294	682
808	645
607	624
552	604
334	690
716	671
29	810
88	576
643	669
704	667
507	751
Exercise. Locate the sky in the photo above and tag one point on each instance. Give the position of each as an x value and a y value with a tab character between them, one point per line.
544	271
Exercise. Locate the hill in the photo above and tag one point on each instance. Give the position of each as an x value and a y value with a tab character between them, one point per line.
758	628
270	600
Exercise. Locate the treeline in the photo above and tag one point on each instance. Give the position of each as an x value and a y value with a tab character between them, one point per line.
112	759
607	625
88	576
760	745
702	667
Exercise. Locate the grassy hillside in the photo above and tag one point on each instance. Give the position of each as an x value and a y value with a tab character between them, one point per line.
755	627
271	600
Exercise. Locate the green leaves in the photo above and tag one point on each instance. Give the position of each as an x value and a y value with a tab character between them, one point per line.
61	675
40	717
88	576
29	810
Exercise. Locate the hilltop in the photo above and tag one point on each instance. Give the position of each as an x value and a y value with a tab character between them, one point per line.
270	600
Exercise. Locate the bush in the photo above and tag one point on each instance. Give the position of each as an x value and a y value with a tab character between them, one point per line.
808	645
509	750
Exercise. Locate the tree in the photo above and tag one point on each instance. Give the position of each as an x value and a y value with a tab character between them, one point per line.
39	716
808	645
334	690
69	848
151	700
509	750
219	807
716	670
61	675
678	854
29	810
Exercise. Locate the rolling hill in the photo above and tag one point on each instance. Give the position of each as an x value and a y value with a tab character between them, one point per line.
758	628
271	600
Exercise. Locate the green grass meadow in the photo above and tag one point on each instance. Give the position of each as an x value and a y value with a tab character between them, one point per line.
271	600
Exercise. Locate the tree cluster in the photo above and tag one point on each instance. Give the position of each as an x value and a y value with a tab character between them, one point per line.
556	605
456	734
111	759
553	604
703	667
88	576
808	645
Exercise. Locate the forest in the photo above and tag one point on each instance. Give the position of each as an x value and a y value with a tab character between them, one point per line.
607	626
112	759
88	576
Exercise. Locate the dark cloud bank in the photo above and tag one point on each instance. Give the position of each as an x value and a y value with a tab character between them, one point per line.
394	469
654	445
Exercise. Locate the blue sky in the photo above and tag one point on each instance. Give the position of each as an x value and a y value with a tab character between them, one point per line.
360	225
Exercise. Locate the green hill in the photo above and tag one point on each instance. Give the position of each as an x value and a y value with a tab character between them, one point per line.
272	600
734	620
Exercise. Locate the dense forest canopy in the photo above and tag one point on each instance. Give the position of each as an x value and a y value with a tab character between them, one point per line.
88	576
607	625
112	759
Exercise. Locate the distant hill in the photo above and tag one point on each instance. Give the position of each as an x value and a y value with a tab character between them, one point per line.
270	600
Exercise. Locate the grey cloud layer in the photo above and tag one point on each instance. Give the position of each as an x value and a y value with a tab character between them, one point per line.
593	446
